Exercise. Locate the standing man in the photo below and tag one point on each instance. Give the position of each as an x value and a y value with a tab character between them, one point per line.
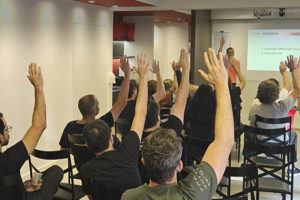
229	61
14	157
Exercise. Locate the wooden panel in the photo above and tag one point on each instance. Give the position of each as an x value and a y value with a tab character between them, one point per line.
119	3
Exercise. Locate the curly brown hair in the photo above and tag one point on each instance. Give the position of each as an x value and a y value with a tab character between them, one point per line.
267	92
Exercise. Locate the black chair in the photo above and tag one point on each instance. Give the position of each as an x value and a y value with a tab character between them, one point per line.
274	163
250	176
13	180
100	192
164	114
122	126
65	190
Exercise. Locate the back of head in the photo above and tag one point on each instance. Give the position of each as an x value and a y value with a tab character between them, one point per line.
152	85
152	114
97	134
86	104
267	92
161	152
132	87
1	124
274	80
168	84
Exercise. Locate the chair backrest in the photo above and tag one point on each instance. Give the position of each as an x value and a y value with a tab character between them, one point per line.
265	136
283	120
100	192
76	139
249	173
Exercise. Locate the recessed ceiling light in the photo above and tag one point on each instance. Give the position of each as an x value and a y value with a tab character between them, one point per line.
115	6
178	19
91	1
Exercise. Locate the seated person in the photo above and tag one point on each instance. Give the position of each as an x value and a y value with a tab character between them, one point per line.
287	87
162	150
117	169
14	157
89	108
268	93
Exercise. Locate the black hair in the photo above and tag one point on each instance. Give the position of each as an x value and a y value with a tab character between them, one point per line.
132	87
152	113
1	124
86	104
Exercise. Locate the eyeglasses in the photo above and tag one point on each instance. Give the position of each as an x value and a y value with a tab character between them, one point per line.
9	128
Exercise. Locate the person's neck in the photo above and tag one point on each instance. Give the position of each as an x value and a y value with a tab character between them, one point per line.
86	119
153	184
110	148
152	128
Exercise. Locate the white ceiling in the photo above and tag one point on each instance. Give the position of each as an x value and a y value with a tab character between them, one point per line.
212	4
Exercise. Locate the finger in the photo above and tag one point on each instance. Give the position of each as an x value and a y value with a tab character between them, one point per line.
39	71
286	64
34	69
211	57
30	69
203	74
215	59
138	59
207	63
299	62
221	58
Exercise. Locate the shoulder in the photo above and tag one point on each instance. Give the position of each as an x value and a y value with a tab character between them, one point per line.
136	193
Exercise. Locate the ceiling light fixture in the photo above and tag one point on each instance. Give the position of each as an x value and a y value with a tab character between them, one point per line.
115	6
91	1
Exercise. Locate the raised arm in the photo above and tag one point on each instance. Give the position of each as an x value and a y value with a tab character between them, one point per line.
292	63
174	86
123	95
38	125
222	42
286	81
241	78
218	151
160	85
183	91
141	103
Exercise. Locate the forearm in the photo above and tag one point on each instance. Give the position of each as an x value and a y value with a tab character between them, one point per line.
181	97
286	81
175	84
33	134
221	48
160	87
123	94
224	130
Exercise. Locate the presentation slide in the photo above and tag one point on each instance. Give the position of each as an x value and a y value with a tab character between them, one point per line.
268	47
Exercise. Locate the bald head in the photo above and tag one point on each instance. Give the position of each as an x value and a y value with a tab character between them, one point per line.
88	105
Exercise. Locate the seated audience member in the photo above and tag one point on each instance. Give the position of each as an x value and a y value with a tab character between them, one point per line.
229	55
117	169
287	87
152	87
89	109
162	151
268	93
14	157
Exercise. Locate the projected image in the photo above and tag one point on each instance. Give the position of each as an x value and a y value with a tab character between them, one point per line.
268	47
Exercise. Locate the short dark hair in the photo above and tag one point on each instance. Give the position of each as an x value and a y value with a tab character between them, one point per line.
168	84
1	124
86	104
267	92
97	134
229	48
152	85
161	152
152	113
132	87
274	80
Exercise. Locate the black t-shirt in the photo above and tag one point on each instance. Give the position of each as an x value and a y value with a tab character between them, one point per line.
128	112
11	162
116	169
172	123
74	128
236	100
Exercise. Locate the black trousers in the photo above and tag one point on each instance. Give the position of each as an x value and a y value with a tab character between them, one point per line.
51	179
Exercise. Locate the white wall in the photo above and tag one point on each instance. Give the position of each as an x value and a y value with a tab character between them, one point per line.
169	39
143	38
72	42
239	41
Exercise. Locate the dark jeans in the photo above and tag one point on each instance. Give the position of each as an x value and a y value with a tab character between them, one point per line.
293	140
51	179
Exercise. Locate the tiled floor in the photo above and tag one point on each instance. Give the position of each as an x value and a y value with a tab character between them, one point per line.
236	184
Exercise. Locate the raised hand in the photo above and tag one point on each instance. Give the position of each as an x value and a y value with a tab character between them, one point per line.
183	61
222	41
35	76
155	67
292	63
143	65
282	67
125	64
217	73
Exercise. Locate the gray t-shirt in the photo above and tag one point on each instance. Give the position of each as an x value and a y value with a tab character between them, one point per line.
200	184
274	110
